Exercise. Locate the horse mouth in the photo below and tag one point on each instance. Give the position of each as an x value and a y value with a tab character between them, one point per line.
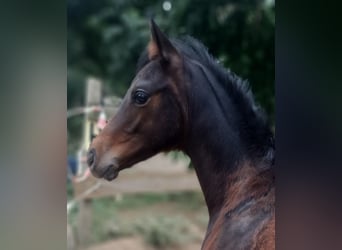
110	173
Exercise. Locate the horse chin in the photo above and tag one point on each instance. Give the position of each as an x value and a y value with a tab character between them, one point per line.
108	172
111	173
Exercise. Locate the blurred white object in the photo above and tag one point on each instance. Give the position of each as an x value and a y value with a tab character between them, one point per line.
167	5
102	121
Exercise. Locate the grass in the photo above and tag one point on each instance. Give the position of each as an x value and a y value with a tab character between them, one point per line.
161	231
159	228
70	192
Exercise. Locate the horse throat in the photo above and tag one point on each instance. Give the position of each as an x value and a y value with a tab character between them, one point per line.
212	169
215	151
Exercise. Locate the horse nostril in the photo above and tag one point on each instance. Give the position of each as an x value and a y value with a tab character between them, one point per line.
91	157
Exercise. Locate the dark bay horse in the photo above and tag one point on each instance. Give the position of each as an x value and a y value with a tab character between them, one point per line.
182	99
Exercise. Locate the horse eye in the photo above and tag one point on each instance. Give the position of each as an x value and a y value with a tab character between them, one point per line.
140	97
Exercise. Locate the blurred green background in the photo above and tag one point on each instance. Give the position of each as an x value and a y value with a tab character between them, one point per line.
105	39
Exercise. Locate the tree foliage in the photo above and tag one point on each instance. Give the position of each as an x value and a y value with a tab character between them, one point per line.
106	37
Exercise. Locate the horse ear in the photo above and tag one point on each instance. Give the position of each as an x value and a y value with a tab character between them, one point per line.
160	45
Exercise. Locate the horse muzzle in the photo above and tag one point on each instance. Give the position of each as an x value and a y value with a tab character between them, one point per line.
107	168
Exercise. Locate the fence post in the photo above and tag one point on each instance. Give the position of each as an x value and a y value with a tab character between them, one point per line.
84	222
93	98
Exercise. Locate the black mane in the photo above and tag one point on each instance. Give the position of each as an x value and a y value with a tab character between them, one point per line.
256	128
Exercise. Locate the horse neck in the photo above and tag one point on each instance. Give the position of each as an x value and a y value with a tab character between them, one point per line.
214	143
214	156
